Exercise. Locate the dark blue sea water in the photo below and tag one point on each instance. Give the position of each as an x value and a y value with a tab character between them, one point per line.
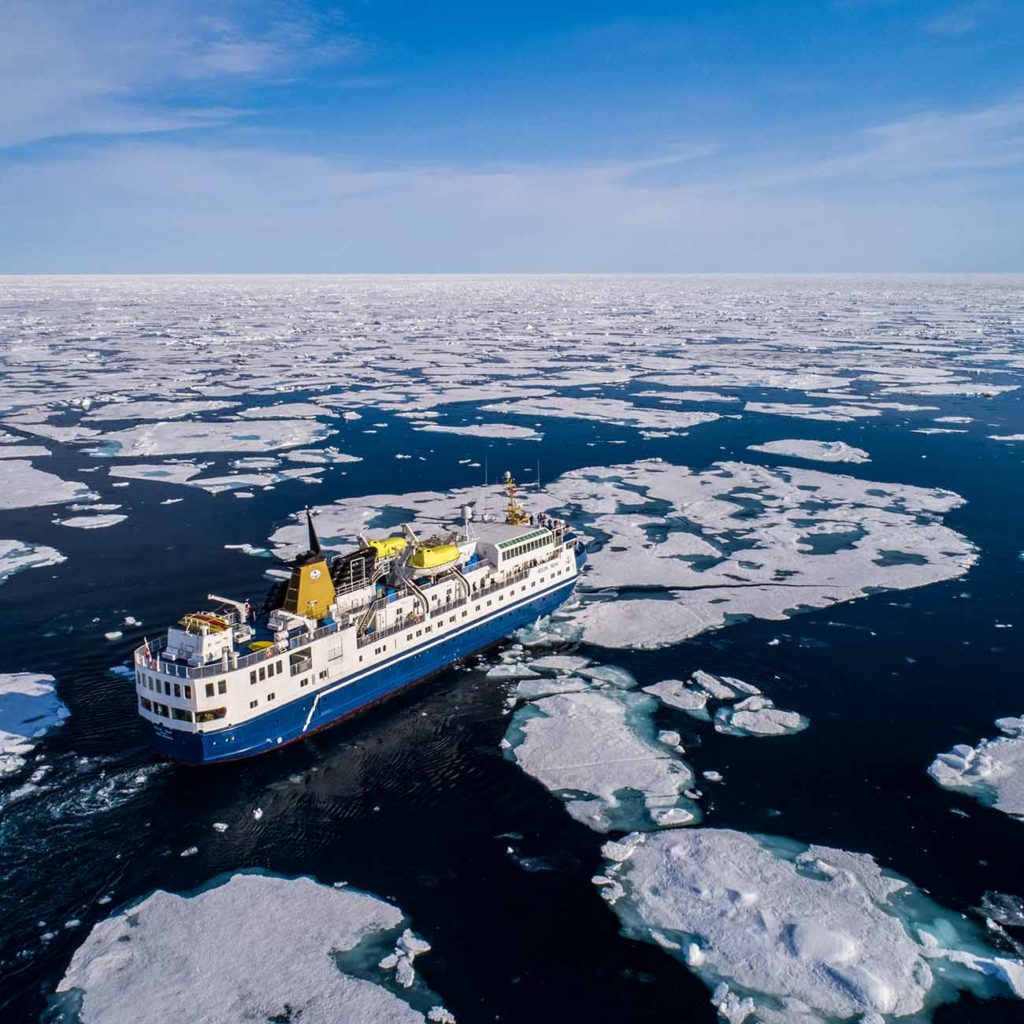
414	802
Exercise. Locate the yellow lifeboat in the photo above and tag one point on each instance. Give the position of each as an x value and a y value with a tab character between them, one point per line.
197	622
387	547
434	557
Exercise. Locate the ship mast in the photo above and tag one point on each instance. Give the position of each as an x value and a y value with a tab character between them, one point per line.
515	514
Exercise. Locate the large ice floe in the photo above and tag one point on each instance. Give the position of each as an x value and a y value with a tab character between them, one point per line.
16	555
679	552
676	552
23	486
992	771
311	953
596	750
784	933
29	707
182	438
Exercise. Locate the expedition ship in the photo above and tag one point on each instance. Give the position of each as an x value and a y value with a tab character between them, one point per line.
350	632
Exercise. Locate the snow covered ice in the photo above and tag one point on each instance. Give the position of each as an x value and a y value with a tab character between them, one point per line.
597	751
18	555
741	540
300	957
29	707
785	933
820	451
992	771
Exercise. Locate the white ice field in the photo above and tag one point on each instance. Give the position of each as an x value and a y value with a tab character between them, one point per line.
309	956
233	385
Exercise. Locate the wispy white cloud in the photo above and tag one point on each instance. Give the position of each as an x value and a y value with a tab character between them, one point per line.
107	67
961	18
925	146
148	206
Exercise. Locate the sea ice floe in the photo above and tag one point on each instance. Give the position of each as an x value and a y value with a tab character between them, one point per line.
92	522
512	670
785	933
676	694
16	555
511	431
186	437
826	413
597	751
534	689
738	540
154	409
23	486
29	707
604	410
23	451
559	663
751	713
758	716
992	771
820	451
309	954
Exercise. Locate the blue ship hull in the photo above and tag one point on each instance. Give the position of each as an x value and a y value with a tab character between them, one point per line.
333	704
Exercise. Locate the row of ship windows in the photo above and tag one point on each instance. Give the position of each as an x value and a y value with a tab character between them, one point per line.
476	607
265	672
521	549
181	714
158	686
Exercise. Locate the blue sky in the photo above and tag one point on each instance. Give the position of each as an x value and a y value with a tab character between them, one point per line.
290	136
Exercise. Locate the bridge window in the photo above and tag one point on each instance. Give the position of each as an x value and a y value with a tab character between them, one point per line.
263	674
252	677
188	693
222	686
209	689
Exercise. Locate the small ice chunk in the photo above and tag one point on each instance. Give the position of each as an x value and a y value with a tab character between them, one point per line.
608	675
677	694
992	771
511	670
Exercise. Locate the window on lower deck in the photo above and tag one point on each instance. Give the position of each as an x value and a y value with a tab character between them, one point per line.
222	686
209	689
271	696
181	715
253	703
146	703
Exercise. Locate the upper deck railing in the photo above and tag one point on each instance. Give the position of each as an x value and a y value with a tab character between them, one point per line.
159	663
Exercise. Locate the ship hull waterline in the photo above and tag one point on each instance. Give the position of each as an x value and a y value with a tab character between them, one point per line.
335	704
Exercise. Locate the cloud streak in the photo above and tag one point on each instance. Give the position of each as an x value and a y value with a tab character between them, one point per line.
109	67
926	197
